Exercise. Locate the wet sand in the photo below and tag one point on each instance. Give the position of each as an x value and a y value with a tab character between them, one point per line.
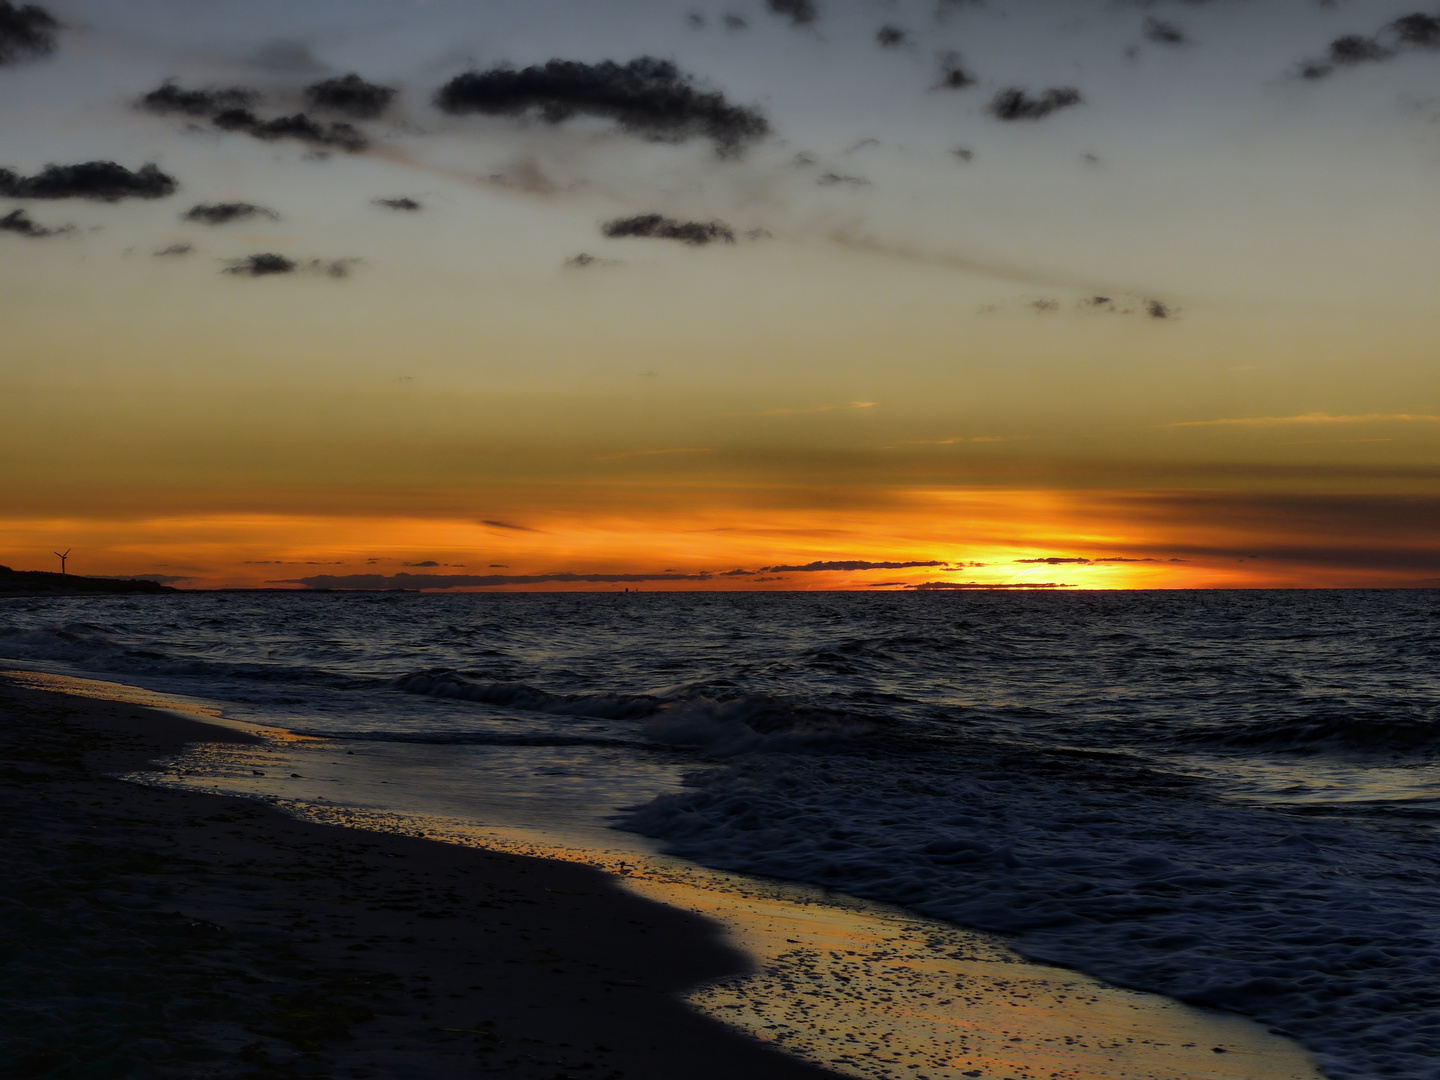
155	932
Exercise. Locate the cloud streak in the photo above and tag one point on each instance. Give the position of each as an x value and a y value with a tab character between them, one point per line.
1409	33
230	109
269	264
169	99
811	409
982	586
1311	418
476	581
18	222
224	213
647	96
849	564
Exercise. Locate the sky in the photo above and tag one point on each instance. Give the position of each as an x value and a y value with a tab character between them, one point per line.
762	294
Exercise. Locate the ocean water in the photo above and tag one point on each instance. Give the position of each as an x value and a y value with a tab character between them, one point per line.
1230	798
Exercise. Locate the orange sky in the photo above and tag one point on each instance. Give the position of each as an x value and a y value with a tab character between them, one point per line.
1188	320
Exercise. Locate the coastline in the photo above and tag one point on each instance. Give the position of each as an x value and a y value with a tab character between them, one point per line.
348	945
157	932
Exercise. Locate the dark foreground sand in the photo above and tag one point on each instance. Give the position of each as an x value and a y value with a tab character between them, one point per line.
150	932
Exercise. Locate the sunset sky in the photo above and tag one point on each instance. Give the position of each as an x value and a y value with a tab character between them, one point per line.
1082	293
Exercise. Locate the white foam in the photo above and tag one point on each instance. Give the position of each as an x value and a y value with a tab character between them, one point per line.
1329	931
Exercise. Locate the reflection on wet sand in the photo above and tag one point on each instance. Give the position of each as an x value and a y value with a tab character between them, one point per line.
860	988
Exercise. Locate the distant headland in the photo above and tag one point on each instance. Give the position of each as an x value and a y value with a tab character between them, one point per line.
46	583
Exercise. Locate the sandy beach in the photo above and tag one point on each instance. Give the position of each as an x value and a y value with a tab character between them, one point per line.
151	932
158	931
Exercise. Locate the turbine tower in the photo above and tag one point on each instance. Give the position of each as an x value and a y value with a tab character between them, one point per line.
62	559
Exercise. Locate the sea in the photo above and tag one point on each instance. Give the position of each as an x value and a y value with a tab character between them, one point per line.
1228	798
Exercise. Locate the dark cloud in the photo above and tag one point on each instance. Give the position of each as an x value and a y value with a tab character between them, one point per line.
1017	104
979	586
508	525
964	153
1407	33
427	562
832	179
25	32
350	95
1418	30
299	127
268	263
473	581
585	260
953	75
170	98
262	265
658	227
223	213
1126	305
647	96
850	564
1164	33
891	37
734	22
799	12
1058	560
103	181
399	204
230	110
17	221
173	251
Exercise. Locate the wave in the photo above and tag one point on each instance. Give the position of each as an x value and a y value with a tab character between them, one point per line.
1398	730
722	727
514	695
1330	930
467	738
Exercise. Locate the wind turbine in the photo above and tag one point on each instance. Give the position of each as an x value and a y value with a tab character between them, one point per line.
62	559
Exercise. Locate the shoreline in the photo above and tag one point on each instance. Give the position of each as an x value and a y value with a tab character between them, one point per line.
834	981
155	932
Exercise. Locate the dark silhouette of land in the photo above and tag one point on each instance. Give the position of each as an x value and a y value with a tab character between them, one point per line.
47	583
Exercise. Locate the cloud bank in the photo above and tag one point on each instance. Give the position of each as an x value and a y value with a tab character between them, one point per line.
474	581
